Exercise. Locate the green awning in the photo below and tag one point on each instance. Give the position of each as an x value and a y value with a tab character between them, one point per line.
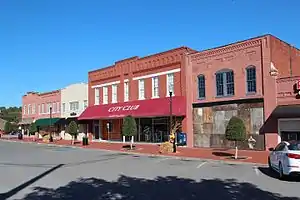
46	121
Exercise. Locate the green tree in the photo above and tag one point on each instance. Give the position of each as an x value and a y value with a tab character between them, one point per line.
235	131
73	130
32	129
129	128
7	127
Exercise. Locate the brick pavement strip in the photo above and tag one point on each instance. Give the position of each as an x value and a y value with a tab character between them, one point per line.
258	157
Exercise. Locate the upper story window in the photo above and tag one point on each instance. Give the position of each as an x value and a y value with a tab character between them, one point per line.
251	79
29	109
54	107
201	86
85	104
74	106
105	95
49	108
63	107
39	109
24	110
170	84
126	91
57	107
225	83
97	96
141	89
43	108
33	108
114	93
155	90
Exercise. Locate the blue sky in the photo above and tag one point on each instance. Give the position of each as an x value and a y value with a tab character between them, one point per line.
48	44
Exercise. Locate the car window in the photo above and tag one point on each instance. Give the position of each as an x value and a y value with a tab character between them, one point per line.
280	147
294	146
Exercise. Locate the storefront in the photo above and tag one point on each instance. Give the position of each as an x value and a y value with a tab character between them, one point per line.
152	118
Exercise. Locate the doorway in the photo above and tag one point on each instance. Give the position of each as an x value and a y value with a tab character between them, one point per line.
289	129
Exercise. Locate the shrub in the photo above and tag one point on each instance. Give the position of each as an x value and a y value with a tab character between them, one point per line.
235	130
7	127
129	127
73	129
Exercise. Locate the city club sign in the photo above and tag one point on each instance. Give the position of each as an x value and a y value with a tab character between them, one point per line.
123	108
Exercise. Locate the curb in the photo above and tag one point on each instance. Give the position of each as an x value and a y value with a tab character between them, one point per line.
143	154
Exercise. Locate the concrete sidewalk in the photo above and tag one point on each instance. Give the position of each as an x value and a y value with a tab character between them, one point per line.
259	157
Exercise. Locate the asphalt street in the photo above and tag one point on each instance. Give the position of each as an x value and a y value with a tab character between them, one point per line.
32	171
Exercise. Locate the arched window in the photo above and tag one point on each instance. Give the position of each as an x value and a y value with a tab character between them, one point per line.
201	86
225	83
251	79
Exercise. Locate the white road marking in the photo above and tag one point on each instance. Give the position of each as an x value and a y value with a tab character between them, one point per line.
201	164
257	172
160	160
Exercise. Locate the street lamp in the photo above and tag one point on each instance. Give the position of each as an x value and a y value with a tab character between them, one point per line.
51	138
171	121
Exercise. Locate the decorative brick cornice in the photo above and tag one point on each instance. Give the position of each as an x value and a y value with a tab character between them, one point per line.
293	79
226	49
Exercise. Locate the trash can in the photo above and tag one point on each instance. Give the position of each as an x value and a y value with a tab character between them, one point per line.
20	136
85	141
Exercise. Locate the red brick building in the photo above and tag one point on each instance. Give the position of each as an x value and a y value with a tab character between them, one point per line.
139	87
252	79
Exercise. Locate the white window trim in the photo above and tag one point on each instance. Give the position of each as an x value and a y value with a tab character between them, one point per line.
97	96
28	109
167	78
75	109
24	110
114	93
139	89
106	84
57	107
63	105
173	71
105	95
39	109
153	86
126	89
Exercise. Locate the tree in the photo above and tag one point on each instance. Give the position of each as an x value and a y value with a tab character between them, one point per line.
73	130
235	131
7	127
129	128
32	129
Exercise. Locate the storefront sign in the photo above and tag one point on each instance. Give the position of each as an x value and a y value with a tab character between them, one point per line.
123	108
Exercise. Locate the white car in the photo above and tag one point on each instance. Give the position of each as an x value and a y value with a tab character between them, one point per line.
285	159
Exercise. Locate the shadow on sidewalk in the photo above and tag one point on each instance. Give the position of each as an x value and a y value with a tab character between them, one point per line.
28	183
161	188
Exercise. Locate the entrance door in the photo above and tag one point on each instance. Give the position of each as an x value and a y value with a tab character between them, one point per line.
97	133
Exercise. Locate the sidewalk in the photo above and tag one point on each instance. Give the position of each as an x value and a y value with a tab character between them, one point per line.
259	157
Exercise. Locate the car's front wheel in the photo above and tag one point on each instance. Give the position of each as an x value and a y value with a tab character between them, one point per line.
280	170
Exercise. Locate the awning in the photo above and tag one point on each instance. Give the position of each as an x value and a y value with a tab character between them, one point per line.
143	108
46	121
26	121
66	121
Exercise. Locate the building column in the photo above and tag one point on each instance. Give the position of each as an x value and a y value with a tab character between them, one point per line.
188	121
270	94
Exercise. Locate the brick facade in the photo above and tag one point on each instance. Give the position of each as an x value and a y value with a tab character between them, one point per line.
273	59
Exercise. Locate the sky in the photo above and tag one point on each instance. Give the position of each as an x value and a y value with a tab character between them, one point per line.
48	44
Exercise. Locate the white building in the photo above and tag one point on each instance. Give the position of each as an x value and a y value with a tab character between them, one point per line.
74	100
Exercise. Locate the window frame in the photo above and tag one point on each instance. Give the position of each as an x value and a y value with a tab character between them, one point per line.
97	96
76	106
114	93
198	86
225	83
105	94
253	81
170	84
155	87
126	91
141	89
